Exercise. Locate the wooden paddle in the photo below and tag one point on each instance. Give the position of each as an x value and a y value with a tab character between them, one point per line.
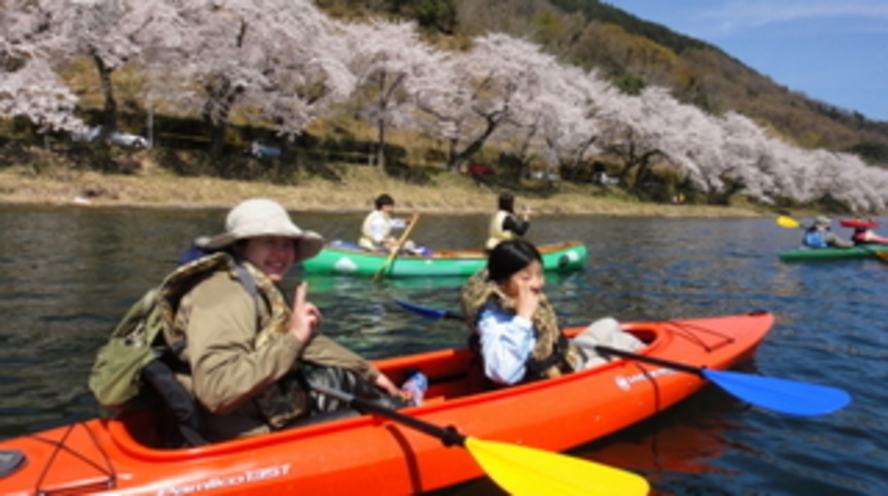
403	239
781	395
520	470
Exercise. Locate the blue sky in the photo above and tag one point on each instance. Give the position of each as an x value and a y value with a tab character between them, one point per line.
835	51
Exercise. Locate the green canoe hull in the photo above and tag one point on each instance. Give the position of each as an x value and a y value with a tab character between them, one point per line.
337	260
868	251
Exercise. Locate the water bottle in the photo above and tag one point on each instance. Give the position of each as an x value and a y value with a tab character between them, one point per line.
414	387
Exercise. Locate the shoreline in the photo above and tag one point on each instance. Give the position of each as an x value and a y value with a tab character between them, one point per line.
451	194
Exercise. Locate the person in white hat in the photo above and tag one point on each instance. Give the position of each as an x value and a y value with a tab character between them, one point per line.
248	352
820	235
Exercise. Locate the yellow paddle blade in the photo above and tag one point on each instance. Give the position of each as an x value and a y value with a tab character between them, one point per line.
785	221
883	255
527	471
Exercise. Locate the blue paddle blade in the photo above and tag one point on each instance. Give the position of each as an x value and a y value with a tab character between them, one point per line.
782	395
433	313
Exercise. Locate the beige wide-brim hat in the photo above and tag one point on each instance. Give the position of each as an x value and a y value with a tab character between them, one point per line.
263	217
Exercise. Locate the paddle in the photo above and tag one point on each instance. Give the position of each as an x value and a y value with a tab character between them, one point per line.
517	469
789	222
433	313
781	395
379	274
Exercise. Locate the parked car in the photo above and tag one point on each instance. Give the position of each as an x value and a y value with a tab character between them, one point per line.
604	179
259	150
551	176
480	170
130	140
117	138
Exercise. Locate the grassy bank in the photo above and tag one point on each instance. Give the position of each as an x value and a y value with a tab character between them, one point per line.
56	183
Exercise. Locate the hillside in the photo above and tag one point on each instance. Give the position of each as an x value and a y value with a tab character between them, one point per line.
634	53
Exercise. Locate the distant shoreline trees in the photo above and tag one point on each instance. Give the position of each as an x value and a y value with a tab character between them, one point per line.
285	64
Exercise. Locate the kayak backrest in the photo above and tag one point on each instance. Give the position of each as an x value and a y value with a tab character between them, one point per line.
175	417
181	423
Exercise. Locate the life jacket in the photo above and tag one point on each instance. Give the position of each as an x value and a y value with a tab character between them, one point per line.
151	329
814	239
552	356
860	237
288	398
366	240
496	232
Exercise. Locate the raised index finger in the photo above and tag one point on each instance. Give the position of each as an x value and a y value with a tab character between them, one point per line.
299	295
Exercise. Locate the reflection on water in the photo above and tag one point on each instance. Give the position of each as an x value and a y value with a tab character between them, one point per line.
69	274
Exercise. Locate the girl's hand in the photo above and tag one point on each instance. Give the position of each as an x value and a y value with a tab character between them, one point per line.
527	299
305	317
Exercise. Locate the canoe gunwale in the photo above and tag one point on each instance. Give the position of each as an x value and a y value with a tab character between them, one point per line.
560	257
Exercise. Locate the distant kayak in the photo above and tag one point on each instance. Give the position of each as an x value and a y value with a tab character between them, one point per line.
345	258
862	251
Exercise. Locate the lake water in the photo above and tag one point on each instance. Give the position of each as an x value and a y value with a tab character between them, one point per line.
69	273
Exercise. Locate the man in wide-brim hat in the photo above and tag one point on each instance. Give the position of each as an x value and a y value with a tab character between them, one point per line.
246	350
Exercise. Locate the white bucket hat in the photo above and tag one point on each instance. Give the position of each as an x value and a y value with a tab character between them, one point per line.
263	217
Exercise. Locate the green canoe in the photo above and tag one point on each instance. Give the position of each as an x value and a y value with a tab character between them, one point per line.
804	254
342	258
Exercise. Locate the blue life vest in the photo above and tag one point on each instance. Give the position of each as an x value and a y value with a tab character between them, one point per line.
814	239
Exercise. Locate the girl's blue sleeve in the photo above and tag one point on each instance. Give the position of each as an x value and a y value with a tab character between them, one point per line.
507	341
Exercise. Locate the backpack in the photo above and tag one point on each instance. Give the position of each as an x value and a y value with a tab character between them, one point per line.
117	373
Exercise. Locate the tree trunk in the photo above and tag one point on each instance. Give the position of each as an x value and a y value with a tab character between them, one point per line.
380	143
493	122
222	96
109	113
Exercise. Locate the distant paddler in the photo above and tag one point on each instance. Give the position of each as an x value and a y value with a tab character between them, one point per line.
863	232
820	235
505	223
376	231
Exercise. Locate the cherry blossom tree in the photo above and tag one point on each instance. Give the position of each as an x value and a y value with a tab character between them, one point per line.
273	60
630	134
574	127
100	30
34	91
29	87
478	97
391	66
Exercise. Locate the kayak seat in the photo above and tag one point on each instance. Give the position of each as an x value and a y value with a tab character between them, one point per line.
181	421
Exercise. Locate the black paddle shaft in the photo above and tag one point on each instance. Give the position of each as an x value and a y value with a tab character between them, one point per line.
649	359
448	435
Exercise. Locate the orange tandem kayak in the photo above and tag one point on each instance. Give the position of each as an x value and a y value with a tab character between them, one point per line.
375	456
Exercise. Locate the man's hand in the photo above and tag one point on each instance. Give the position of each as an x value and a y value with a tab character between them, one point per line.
305	317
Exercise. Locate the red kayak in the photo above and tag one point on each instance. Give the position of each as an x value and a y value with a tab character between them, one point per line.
371	455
